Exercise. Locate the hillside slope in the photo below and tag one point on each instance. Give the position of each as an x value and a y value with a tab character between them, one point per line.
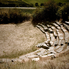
42	1
36	1
19	39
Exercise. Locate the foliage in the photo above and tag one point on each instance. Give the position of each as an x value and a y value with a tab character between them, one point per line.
50	10
63	12
13	16
47	14
15	4
26	3
36	4
42	4
42	1
61	4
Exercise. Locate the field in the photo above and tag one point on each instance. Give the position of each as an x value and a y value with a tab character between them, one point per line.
37	1
58	63
16	40
42	1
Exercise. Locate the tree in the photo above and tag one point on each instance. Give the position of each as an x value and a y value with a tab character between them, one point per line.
36	4
42	4
63	12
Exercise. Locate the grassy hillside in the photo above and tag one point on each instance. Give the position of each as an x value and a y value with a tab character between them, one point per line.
16	40
57	63
35	1
42	1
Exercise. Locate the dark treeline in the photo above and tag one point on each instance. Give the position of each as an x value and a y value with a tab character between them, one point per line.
15	4
22	4
51	12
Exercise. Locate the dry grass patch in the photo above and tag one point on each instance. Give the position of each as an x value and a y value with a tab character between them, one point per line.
16	40
57	63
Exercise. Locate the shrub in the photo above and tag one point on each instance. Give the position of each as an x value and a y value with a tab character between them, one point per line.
37	17
47	14
36	4
63	12
31	5
4	18
42	4
13	16
50	10
59	4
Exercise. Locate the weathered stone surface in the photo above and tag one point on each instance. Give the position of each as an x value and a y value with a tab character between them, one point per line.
44	56
52	43
66	27
48	35
50	54
67	22
51	50
60	49
56	43
45	29
20	60
57	47
48	26
42	52
52	37
42	45
32	56
48	41
50	30
35	59
26	59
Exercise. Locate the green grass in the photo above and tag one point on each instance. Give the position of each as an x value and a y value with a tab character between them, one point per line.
35	1
38	1
42	1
